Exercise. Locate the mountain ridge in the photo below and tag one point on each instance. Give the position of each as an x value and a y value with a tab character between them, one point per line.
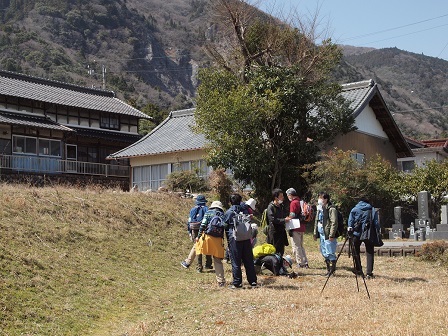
149	52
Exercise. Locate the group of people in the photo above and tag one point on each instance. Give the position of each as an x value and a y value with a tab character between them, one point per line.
206	244
240	251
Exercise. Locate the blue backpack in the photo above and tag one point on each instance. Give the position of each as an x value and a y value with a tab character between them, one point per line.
196	217
215	227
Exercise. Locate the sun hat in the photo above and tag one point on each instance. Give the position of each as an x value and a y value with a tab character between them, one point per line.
217	205
291	191
251	202
288	259
200	199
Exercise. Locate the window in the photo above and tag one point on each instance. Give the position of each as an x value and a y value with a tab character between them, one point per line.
407	166
25	145
359	157
109	121
87	154
72	153
50	147
149	177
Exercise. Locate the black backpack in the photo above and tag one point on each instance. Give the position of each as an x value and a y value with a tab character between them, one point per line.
215	227
341	227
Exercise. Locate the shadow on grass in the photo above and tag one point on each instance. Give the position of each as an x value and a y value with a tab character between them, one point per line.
270	281
395	279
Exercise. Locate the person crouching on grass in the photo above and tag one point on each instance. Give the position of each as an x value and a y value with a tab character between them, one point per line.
210	243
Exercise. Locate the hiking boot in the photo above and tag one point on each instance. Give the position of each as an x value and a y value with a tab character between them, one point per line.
236	286
304	266
208	267
327	262
370	276
332	267
199	269
184	264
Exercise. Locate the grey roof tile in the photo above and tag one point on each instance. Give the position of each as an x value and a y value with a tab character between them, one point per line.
31	121
19	85
174	134
358	94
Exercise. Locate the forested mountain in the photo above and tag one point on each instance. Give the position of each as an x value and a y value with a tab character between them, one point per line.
414	86
150	51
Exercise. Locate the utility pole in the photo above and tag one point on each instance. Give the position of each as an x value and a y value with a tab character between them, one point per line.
104	76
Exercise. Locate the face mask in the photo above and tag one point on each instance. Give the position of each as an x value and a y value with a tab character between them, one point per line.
320	201
280	201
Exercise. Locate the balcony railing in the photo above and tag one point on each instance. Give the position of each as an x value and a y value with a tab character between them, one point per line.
37	164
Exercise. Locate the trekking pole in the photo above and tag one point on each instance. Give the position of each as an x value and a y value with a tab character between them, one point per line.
337	258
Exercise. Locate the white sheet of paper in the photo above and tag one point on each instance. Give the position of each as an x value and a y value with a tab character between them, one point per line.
292	224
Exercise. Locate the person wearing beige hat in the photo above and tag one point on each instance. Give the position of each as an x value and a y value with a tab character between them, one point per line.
210	240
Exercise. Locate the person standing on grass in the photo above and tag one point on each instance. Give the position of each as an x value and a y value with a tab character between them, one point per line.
360	215
295	212
240	251
209	243
277	218
194	221
325	227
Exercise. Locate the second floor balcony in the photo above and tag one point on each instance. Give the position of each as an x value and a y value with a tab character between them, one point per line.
43	165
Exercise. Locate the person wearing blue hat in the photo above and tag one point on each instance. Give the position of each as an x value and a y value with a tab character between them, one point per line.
194	222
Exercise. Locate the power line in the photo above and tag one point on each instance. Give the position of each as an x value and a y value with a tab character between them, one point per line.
419	110
442	50
395	28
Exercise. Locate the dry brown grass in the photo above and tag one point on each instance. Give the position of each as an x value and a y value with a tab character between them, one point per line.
78	262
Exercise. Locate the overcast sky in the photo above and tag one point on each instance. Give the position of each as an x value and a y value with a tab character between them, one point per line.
419	26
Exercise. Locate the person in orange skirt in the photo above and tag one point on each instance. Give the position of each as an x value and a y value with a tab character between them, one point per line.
210	239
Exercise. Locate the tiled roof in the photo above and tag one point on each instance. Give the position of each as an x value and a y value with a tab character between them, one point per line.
23	86
31	121
112	136
174	134
435	143
358	94
361	94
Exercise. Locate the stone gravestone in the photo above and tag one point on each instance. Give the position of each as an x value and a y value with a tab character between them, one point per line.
442	228
423	222
397	227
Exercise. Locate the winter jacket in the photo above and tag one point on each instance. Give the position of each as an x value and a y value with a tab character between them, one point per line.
329	223
277	232
360	215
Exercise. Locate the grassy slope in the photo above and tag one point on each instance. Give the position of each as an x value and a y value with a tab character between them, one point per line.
107	263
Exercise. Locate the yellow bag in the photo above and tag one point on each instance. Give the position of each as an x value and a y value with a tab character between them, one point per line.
262	250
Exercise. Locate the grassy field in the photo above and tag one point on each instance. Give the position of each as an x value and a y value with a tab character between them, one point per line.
101	262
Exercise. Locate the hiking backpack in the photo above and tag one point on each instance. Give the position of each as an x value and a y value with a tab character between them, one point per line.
242	228
264	222
196	217
307	212
341	228
215	227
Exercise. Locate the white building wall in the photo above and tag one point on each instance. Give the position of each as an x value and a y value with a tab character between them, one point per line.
366	122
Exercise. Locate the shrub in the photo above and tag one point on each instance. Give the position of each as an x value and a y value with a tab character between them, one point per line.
435	251
183	180
220	184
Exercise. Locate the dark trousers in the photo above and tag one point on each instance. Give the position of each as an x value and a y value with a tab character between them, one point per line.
370	251
241	252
